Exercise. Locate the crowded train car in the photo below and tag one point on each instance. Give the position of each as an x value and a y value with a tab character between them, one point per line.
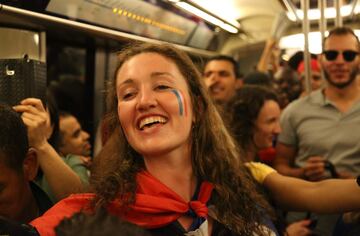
179	117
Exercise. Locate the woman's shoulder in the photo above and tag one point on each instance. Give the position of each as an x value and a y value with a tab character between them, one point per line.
259	170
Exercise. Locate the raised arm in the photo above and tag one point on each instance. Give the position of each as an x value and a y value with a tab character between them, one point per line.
327	196
61	178
267	56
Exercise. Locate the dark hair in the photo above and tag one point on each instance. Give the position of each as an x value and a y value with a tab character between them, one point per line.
243	110
258	78
297	58
229	59
341	31
214	154
52	107
14	143
62	115
98	224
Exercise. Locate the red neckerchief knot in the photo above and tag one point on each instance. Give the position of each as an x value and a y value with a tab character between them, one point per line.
156	205
199	206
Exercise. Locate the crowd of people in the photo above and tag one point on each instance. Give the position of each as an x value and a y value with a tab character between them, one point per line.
182	150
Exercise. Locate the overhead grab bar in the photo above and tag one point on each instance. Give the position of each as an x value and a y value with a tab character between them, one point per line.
338	20
291	8
322	19
306	28
353	6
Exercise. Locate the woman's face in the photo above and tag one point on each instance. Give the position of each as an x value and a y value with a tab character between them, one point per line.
154	105
267	125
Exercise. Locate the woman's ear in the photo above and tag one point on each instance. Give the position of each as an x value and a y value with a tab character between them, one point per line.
30	165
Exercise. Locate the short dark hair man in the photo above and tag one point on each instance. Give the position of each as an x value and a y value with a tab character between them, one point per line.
20	199
73	139
221	74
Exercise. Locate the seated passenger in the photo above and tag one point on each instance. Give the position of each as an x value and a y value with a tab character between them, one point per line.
20	199
73	139
61	179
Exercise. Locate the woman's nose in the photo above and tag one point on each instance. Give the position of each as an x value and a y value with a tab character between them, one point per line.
146	99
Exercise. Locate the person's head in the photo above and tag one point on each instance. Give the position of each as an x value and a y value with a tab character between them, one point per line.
18	166
220	75
158	97
258	78
98	224
73	139
287	85
254	117
316	80
340	57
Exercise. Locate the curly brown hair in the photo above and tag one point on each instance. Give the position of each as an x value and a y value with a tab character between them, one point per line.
214	155
243	110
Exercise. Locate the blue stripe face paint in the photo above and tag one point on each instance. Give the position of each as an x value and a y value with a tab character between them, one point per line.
180	101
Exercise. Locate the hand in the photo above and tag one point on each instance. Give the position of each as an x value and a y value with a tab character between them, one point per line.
345	175
314	169
299	228
36	119
351	217
271	43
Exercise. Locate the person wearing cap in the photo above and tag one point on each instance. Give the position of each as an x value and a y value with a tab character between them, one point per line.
316	81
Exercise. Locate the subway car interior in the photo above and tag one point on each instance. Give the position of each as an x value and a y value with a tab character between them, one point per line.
77	39
69	49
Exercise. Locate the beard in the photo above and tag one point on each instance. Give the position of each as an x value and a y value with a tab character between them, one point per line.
342	85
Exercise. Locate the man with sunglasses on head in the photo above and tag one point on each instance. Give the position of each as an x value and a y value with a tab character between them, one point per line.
319	137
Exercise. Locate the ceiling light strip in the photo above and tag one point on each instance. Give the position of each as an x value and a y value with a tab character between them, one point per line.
209	18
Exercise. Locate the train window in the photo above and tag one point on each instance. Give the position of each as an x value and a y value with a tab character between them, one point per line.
295	42
68	80
314	3
294	7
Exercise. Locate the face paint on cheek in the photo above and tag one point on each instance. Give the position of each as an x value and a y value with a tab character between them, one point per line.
182	104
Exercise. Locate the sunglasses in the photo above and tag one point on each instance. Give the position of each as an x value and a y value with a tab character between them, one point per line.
348	55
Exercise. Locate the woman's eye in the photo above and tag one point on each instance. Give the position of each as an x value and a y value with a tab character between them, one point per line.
127	96
162	87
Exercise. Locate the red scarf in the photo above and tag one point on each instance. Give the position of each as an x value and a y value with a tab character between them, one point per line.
155	206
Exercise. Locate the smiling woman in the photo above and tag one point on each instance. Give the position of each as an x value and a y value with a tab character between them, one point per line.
148	108
165	167
181	152
254	115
